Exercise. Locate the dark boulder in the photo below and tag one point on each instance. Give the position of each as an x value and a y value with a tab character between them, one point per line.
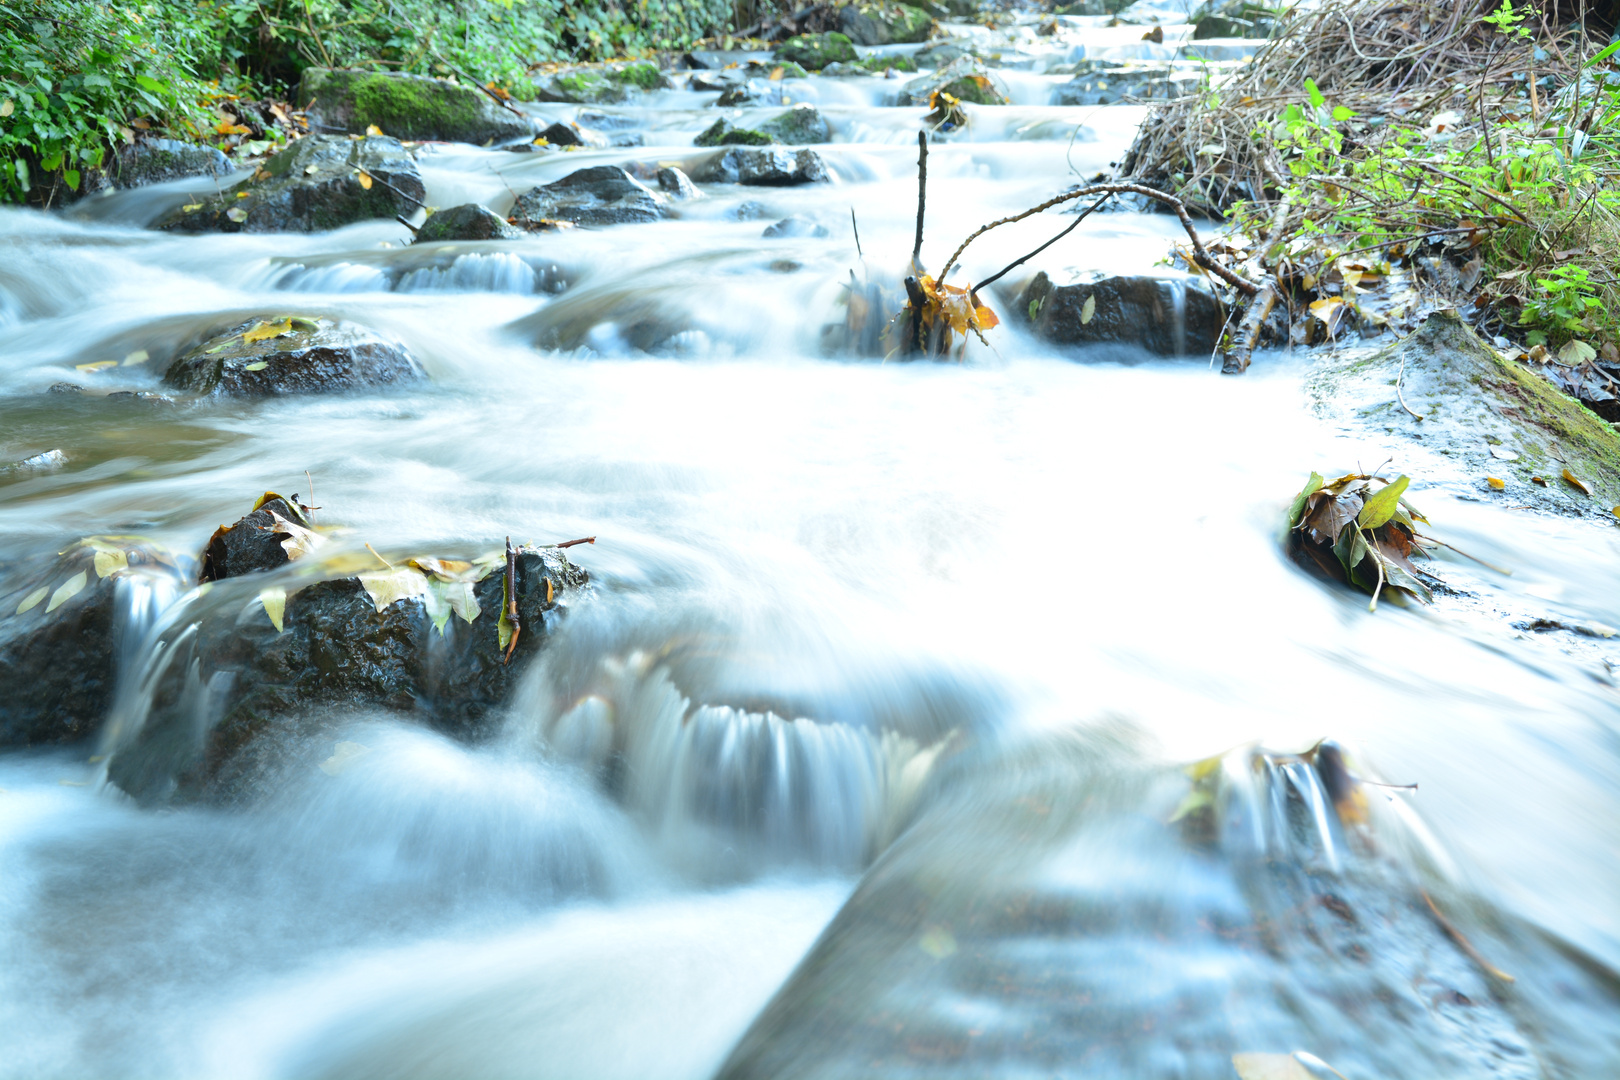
319	182
599	195
794	227
292	355
406	107
256	542
764	166
156	161
1168	316
469	221
815	51
272	661
60	634
561	134
884	23
965	78
677	185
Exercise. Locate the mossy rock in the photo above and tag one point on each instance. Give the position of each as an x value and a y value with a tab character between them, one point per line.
1476	406
801	125
585	87
965	78
470	221
879	64
885	23
643	75
724	133
815	51
406	107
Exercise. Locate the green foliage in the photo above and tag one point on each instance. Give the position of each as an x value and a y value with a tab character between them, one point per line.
74	75
1507	20
1568	306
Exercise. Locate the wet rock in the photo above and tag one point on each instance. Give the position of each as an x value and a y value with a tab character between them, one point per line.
884	23
1106	83
293	355
764	166
724	133
942	53
469	221
1484	414
244	699
312	185
965	78
677	185
753	93
254	543
749	210
815	51
42	462
1168	316
157	161
601	85
1159	12
561	134
801	125
406	107
65	388
60	633
1233	19
599	195
794	227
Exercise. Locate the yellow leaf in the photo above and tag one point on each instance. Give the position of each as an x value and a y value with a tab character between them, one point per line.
988	320
1089	310
343	755
391	586
7	107
191	208
444	598
1496	485
275	605
110	562
259	365
32	600
67	591
139	356
451	569
1269	1067
99	365
365	179
236	214
300	541
373	129
777	73
264	331
1577	483
1309	281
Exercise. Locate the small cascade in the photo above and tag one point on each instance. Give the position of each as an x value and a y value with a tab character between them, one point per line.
731	790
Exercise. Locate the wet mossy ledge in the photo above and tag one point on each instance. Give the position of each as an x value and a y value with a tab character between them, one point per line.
1446	389
406	106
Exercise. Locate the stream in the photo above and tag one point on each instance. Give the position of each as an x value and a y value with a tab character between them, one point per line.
853	612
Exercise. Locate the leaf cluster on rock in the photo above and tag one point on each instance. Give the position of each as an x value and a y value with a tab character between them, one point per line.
1359	529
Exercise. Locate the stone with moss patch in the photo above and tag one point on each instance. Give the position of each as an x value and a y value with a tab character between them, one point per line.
1473	402
724	133
406	107
642	75
801	125
815	51
965	78
884	23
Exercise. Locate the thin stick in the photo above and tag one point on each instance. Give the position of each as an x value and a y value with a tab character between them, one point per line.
856	226
380	559
1254	320
1200	256
999	274
510	589
922	199
1379	560
1474	558
1400	396
1467	946
311	509
571	543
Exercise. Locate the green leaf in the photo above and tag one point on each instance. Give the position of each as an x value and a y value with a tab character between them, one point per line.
146	82
1312	486
1341	113
1350	548
1604	55
1380	507
1317	100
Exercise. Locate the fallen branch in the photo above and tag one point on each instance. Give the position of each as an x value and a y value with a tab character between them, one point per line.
1237	361
571	543
999	274
922	200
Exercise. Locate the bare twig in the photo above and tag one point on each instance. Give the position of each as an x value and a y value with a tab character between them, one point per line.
922	201
1466	945
572	543
510	597
999	274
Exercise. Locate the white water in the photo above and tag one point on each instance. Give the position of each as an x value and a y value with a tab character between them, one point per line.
862	557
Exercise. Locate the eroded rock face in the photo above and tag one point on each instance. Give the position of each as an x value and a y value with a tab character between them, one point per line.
312	185
469	221
599	195
764	166
884	23
157	161
965	78
240	708
60	633
406	107
1168	316
294	355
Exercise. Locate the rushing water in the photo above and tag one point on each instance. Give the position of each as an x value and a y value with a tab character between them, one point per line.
835	599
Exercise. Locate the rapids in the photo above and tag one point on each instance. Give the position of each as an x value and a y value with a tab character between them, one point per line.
838	602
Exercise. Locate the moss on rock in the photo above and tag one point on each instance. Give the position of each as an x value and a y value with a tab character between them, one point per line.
815	51
406	107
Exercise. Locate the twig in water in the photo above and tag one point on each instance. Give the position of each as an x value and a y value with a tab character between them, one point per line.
999	274
856	226
510	594
571	543
1400	396
380	559
1467	946
922	200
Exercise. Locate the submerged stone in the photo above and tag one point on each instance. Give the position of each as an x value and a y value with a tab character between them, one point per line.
319	182
1168	316
406	107
794	227
599	195
724	133
767	167
292	355
469	221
